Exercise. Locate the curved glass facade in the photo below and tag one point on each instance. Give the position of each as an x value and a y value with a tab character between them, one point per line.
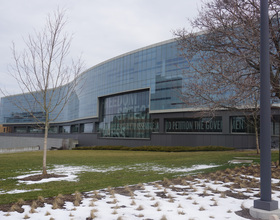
133	96
157	68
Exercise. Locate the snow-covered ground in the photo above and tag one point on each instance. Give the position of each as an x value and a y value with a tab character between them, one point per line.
202	197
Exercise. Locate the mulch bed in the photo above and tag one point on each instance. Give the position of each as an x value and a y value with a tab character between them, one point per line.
245	213
41	176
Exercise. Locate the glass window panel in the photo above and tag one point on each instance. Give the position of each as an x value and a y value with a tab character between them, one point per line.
126	115
20	129
194	125
53	129
74	128
66	129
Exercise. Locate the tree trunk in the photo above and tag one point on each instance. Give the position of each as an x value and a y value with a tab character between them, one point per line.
45	149
257	136
278	143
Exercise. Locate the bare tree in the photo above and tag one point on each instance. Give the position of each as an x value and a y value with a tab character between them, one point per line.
46	77
224	57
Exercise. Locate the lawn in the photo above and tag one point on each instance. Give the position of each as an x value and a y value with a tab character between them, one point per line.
119	168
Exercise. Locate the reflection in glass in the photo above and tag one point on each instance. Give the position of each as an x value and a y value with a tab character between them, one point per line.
126	115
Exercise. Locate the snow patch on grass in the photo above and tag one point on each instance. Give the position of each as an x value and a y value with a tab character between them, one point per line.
16	191
71	172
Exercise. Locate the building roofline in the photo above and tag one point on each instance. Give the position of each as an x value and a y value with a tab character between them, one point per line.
131	52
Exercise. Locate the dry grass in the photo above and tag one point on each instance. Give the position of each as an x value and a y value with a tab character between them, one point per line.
20	202
15	208
116	207
91	204
240	194
112	193
26	216
115	212
156	204
141	186
96	195
195	202
55	205
157	186
205	193
127	189
180	212
140	208
77	198
189	178
32	210
115	201
76	203
148	195
34	204
7	214
171	200
92	213
41	199
223	195
131	194
215	203
201	208
166	182
226	180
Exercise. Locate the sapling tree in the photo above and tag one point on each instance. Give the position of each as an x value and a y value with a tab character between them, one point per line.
46	76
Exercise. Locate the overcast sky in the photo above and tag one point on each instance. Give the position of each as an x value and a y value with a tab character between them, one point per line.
101	29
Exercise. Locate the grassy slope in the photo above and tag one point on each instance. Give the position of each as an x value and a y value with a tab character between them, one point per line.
12	165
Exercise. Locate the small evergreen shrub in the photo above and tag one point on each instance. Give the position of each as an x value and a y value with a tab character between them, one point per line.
158	148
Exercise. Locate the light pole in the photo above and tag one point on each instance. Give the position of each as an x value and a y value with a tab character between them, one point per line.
265	202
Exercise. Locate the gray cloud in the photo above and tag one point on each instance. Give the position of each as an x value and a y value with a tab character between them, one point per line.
101	29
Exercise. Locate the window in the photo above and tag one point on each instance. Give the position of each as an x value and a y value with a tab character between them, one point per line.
74	128
243	124
20	129
53	129
88	128
193	124
35	130
238	124
65	129
125	115
275	127
155	125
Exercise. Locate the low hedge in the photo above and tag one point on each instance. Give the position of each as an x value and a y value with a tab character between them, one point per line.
158	148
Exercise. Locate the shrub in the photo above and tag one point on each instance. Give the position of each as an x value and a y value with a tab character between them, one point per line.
158	148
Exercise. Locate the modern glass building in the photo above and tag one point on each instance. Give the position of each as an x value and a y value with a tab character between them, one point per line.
134	99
